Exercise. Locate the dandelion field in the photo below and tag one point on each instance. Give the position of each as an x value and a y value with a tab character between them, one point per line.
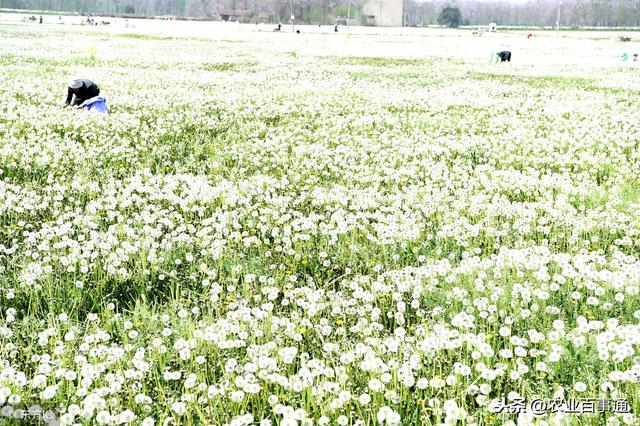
370	227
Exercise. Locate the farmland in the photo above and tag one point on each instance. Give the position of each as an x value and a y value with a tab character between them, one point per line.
375	226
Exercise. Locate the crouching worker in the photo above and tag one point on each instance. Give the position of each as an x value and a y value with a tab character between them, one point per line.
80	90
83	93
505	55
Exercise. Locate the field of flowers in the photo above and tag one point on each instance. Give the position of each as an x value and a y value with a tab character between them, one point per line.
373	227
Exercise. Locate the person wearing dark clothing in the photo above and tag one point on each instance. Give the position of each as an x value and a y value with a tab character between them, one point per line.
80	90
41	19
505	55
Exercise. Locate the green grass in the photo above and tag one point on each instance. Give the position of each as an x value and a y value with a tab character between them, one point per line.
375	61
229	66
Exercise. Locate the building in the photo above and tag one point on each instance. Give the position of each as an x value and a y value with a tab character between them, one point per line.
234	15
264	16
384	13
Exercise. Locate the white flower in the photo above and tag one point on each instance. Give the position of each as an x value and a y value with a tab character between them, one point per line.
103	418
237	396
179	408
364	399
127	416
580	386
451	409
49	392
288	354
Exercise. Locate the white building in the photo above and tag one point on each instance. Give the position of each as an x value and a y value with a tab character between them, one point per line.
384	13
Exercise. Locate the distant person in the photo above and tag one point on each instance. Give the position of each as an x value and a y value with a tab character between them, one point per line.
335	29
278	28
505	56
41	19
80	90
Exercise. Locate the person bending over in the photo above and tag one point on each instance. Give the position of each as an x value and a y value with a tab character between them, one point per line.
505	55
80	90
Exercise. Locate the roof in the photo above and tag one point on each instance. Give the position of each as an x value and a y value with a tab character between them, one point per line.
235	12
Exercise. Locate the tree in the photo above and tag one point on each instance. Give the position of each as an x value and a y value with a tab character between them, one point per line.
417	12
450	17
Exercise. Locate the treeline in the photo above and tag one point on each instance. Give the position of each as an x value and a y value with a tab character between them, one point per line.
309	11
131	7
573	13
